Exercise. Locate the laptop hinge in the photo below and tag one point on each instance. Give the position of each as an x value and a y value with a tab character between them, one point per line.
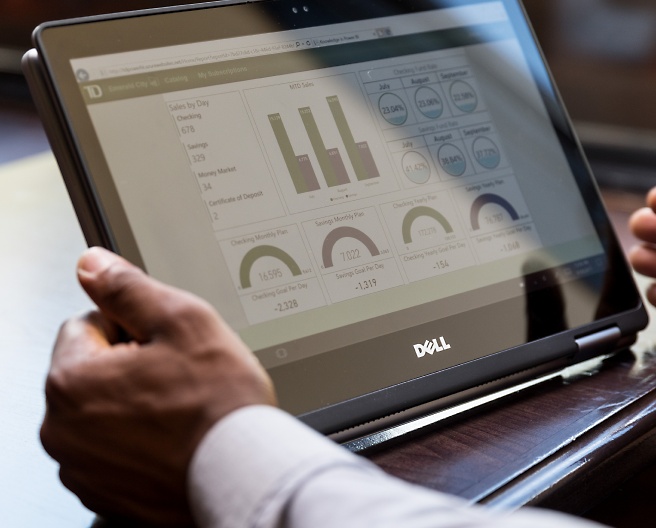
598	343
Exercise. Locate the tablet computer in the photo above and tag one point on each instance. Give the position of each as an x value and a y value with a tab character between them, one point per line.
385	199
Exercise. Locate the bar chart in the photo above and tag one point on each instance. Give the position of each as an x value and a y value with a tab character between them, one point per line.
322	141
359	153
330	160
300	168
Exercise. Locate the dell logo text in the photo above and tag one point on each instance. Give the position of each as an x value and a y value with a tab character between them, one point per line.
430	347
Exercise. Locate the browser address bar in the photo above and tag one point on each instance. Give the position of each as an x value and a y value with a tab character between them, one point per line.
198	59
202	53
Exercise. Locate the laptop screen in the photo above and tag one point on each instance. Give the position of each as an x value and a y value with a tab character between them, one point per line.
358	195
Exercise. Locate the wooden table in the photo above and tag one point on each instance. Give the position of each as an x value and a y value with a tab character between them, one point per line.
562	445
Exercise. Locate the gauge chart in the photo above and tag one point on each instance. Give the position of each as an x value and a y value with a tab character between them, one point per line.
500	224
353	254
423	211
272	273
428	235
501	211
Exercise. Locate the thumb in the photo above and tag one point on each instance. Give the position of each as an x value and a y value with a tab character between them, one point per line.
127	296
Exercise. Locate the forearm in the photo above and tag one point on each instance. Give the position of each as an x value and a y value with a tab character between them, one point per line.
248	467
278	472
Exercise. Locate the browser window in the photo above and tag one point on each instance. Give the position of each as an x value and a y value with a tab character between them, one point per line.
341	176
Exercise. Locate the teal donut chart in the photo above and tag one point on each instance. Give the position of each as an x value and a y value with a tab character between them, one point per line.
428	102
393	109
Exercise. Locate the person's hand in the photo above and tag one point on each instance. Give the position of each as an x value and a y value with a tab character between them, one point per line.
643	256
124	416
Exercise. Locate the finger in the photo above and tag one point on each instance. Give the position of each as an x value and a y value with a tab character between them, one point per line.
85	336
138	303
80	341
651	199
643	260
650	294
643	225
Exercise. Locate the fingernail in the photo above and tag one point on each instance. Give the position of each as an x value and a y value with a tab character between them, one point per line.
95	260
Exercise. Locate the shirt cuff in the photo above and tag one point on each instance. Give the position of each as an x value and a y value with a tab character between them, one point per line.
251	462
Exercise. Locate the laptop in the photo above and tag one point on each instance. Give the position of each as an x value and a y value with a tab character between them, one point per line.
385	199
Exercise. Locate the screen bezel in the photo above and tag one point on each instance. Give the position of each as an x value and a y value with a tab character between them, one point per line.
58	43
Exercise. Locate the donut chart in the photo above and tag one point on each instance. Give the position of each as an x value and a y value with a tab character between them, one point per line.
416	167
429	102
393	109
464	96
452	159
486	153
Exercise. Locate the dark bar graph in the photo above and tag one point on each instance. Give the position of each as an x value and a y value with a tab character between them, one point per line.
307	172
332	172
299	167
338	166
368	159
330	160
359	153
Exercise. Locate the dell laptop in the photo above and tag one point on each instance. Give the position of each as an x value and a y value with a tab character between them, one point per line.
384	198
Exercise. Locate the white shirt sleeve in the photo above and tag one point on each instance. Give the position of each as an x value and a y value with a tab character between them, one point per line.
260	467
